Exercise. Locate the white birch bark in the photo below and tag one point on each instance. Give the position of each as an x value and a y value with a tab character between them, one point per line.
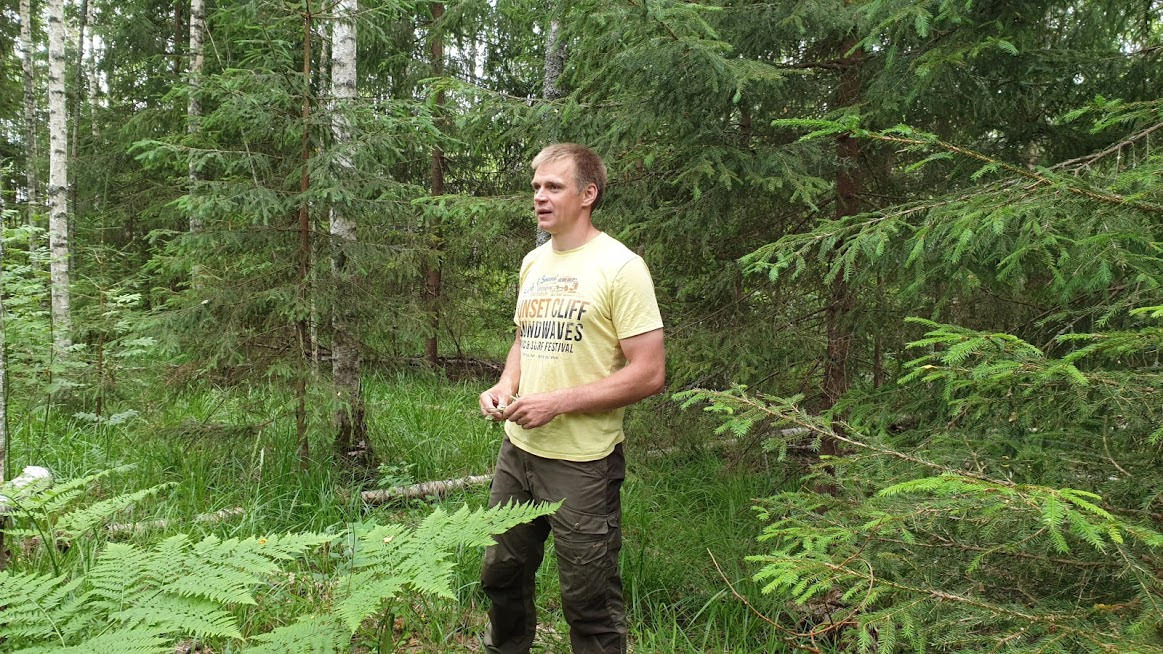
345	362
194	104
58	180
30	142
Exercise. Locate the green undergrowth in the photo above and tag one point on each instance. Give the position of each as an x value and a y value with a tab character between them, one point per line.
217	449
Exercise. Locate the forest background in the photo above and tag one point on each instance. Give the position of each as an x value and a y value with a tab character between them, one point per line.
261	256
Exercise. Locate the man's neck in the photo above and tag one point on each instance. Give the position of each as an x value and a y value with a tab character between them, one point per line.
575	238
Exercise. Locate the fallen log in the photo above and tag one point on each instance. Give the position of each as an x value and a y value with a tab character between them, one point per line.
442	487
136	528
425	489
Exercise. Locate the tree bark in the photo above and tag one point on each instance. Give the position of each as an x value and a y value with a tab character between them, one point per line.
3	369
554	65
433	278
75	113
3	385
350	423
194	103
31	151
301	327
841	302
91	74
554	56
58	182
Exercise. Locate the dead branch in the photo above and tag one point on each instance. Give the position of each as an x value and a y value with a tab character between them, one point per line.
136	528
425	489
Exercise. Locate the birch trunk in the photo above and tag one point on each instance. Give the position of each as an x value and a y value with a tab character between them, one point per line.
351	426
194	104
31	151
58	180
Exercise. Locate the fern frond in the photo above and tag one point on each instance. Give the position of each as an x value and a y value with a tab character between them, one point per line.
310	635
195	617
75	523
125	641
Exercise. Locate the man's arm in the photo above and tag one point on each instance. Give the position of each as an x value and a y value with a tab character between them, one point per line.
643	376
506	387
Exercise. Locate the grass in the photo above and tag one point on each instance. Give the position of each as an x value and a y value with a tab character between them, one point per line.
232	447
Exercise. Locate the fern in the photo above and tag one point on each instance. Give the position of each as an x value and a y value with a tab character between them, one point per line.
135	598
389	558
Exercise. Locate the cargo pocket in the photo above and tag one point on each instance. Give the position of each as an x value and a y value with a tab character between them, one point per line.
579	538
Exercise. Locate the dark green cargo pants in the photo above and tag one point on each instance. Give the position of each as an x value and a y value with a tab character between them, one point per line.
587	535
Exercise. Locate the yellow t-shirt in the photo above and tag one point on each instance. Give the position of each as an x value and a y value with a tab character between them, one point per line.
572	310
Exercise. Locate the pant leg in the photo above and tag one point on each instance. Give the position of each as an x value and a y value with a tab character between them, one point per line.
587	532
508	575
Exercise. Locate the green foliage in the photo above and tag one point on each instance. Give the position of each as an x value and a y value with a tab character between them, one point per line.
150	596
955	560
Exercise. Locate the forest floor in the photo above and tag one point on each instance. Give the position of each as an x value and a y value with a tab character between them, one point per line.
688	521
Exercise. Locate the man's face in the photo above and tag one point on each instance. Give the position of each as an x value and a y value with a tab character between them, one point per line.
558	202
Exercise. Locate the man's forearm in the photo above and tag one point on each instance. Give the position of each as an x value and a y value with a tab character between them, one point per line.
511	375
623	388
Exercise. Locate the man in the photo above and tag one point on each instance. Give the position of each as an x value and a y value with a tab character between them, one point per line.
589	342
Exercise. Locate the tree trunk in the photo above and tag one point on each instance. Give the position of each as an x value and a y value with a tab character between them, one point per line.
351	427
31	151
91	74
301	327
75	113
194	103
432	282
3	385
554	56
838	316
554	65
179	32
58	181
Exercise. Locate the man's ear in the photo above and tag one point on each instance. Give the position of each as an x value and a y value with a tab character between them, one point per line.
589	195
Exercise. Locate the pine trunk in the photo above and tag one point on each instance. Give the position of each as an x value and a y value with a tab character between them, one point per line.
31	151
351	426
194	104
58	181
432	282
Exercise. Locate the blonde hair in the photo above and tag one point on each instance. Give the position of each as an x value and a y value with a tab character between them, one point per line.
587	165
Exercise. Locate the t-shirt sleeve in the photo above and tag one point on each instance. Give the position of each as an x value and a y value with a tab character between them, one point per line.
525	263
635	309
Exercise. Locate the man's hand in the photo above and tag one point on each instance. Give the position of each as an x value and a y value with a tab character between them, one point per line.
532	411
494	401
